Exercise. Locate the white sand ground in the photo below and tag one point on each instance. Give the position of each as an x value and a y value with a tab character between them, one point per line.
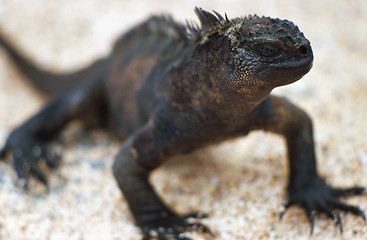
239	183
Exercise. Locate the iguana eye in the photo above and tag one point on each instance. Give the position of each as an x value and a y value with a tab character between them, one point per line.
268	50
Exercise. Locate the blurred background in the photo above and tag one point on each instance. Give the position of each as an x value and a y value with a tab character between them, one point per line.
240	183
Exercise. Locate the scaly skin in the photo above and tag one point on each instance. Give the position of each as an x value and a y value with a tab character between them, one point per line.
170	89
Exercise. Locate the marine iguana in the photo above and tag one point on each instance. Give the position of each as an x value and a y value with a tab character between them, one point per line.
169	89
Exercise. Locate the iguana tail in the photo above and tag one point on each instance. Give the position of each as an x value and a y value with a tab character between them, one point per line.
52	84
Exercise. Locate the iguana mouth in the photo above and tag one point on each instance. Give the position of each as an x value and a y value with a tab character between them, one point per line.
296	66
274	75
289	71
304	64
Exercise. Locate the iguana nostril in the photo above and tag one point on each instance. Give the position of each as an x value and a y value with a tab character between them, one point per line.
303	49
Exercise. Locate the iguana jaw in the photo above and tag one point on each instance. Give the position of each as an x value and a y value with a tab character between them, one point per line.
287	72
270	76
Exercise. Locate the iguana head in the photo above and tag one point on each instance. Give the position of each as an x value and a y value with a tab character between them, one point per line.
266	52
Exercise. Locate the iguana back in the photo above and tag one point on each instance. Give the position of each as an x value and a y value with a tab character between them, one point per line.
137	67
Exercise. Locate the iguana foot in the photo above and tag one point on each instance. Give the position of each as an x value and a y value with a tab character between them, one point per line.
173	227
318	197
29	154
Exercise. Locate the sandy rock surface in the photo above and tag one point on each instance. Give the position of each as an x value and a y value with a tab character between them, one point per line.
241	183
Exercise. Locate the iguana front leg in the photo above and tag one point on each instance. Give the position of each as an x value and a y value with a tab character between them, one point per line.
306	188
139	155
28	142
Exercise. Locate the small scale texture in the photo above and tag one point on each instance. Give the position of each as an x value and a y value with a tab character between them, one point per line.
241	183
